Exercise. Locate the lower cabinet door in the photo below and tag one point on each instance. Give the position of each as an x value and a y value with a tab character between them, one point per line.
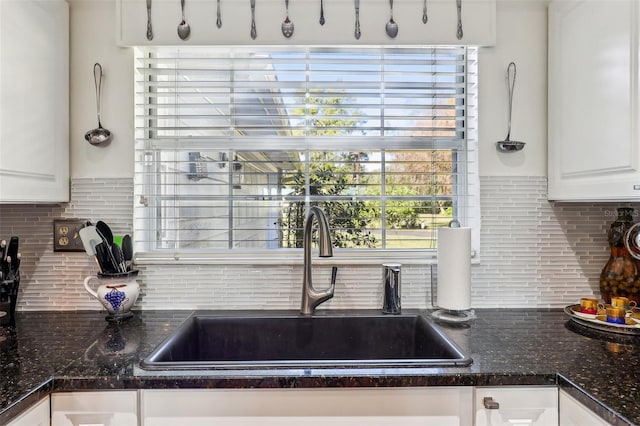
525	405
37	415
104	408
437	406
573	413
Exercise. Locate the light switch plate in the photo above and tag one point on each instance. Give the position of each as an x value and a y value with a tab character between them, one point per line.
66	236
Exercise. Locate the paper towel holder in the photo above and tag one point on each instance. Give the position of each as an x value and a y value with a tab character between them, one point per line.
448	315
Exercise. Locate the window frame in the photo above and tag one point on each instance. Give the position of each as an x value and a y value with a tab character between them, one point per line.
284	256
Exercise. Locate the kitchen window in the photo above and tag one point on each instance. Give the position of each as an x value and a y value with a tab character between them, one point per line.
234	144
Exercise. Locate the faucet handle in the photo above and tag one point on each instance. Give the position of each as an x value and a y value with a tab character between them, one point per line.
319	296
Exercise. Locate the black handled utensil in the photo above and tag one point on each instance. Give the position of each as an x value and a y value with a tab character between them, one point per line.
10	262
127	250
105	231
12	248
105	259
16	264
118	257
3	246
108	262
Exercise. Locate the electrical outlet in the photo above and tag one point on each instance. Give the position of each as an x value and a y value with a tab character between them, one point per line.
66	235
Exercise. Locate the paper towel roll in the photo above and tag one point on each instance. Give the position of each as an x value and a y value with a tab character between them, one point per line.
454	269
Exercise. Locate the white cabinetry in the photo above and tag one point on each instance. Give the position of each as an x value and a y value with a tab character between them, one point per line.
34	101
573	413
524	405
594	140
37	415
94	408
438	406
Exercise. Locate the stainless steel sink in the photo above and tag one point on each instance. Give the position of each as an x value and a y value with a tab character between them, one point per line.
272	341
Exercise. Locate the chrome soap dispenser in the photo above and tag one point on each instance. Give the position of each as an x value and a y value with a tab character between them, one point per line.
391	282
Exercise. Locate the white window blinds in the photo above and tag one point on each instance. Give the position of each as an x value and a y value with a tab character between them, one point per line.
234	144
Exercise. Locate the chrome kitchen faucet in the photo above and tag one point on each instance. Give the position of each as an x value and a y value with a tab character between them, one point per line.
310	296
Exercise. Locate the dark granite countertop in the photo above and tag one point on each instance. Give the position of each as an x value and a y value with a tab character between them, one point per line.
61	351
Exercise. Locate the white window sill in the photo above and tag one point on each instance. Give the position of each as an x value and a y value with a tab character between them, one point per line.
289	257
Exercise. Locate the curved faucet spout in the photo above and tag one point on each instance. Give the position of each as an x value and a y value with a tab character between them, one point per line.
310	296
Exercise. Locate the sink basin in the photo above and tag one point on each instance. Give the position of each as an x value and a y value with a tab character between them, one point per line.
212	342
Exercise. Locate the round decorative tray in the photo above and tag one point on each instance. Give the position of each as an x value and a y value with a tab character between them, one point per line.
599	322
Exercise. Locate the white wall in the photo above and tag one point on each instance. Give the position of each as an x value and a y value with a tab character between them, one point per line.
521	37
93	40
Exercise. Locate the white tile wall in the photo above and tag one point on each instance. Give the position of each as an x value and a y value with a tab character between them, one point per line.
50	280
533	253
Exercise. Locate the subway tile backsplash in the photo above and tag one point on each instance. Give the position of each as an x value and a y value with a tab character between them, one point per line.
533	254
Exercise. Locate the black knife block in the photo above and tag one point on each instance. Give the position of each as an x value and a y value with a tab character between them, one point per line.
8	300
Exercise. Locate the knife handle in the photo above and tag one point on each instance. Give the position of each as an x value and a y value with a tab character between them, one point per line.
12	248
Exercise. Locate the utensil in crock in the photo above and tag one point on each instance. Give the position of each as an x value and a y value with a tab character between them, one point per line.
90	239
127	250
105	231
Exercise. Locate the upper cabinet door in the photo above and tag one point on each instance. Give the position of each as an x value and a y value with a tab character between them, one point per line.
34	101
593	100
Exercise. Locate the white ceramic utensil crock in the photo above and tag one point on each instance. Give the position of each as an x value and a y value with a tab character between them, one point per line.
116	292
